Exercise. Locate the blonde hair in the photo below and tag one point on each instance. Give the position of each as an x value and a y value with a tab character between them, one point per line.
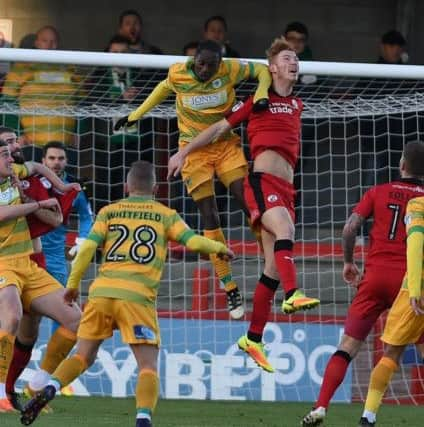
141	176
279	44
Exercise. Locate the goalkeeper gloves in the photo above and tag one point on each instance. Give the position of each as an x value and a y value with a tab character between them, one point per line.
74	250
123	121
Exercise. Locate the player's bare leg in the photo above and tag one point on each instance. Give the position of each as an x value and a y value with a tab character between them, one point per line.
212	229
63	339
65	373
333	376
11	314
147	390
279	223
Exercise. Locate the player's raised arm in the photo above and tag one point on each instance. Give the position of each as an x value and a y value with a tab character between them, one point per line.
261	72
176	161
37	168
159	94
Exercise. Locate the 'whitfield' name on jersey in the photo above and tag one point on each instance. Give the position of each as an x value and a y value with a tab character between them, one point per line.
147	215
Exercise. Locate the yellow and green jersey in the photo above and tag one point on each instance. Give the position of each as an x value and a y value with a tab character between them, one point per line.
15	240
44	86
200	104
134	234
414	220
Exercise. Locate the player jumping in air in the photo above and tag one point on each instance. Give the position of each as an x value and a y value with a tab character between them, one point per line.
204	89
274	140
385	267
134	234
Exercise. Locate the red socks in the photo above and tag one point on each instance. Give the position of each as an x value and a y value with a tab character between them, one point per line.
21	358
262	303
333	377
283	253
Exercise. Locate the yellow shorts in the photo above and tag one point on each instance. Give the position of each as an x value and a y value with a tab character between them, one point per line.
403	326
138	323
30	279
224	158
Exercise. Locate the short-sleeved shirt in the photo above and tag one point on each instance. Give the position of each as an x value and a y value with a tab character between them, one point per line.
200	104
134	233
277	128
414	220
386	203
15	239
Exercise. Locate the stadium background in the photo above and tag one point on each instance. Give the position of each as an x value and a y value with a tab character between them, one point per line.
163	26
89	25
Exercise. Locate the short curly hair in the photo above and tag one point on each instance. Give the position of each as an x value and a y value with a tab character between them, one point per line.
279	44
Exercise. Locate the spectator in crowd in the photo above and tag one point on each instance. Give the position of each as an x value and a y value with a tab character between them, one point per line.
131	26
392	48
37	85
215	29
107	85
297	34
4	66
190	48
27	41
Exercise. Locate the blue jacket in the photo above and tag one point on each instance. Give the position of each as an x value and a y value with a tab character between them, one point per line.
54	241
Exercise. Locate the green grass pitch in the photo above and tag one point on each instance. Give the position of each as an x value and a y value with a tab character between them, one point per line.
100	412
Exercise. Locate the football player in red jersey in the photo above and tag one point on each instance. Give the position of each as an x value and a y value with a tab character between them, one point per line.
385	267
33	188
274	140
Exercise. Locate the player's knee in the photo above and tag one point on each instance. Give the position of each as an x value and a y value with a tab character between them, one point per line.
344	354
149	364
71	321
350	346
10	321
394	352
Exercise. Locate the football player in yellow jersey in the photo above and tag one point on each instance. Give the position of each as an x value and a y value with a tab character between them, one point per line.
204	89
133	234
23	285
405	322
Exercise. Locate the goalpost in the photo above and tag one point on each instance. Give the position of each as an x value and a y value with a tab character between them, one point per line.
357	118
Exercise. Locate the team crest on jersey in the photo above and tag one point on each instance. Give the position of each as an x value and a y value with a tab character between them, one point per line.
237	106
408	219
272	198
142	332
295	104
46	183
25	184
217	83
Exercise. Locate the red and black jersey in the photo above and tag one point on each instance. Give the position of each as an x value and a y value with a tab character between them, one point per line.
277	128
40	188
386	203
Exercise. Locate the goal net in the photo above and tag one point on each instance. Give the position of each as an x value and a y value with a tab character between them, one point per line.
354	129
